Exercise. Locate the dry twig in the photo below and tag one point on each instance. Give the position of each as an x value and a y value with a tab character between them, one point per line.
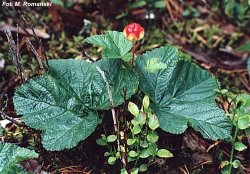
38	57
14	50
113	113
28	22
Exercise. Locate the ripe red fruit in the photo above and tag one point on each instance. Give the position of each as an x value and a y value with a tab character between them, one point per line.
133	32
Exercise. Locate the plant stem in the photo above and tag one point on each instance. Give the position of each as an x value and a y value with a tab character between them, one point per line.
113	112
232	149
124	114
133	54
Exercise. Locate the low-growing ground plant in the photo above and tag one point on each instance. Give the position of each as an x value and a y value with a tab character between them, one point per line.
239	114
139	140
65	102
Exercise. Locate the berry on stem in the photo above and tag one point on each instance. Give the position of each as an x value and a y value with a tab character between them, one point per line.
133	32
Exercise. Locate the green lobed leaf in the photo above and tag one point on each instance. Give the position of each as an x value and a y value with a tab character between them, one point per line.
115	44
183	94
10	157
64	102
239	146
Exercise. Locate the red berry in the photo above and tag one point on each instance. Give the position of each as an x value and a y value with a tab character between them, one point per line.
133	32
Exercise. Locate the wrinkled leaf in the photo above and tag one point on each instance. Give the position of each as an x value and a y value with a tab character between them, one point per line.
115	44
10	157
183	94
63	102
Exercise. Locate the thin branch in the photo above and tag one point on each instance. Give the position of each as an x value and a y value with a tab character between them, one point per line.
5	116
113	113
38	57
14	50
39	41
124	114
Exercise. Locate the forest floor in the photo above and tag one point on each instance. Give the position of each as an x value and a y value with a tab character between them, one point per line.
206	30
